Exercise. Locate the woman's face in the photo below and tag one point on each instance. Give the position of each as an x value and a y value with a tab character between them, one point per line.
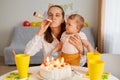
55	14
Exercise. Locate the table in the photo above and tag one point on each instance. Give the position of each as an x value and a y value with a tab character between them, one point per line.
112	63
35	75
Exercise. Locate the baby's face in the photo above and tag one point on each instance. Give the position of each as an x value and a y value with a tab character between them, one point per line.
71	26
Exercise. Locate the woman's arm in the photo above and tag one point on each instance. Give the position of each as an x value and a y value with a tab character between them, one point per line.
58	47
76	41
34	45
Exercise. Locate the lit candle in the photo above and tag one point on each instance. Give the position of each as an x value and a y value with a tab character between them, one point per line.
62	62
57	62
52	59
47	61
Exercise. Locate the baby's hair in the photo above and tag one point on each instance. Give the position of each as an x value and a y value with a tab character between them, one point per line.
79	19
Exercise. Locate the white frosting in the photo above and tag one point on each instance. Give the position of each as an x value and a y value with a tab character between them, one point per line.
55	73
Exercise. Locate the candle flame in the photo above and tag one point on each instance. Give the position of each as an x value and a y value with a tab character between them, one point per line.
51	62
57	61
52	58
47	59
62	60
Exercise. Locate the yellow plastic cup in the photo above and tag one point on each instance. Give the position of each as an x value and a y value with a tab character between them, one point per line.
22	63
96	69
92	56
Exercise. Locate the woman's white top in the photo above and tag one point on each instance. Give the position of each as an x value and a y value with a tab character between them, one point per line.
67	47
38	42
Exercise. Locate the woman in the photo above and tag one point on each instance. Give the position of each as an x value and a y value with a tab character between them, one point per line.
48	36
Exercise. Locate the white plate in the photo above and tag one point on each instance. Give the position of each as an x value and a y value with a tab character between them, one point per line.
81	70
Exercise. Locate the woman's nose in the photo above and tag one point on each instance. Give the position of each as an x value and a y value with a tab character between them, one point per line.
66	26
53	17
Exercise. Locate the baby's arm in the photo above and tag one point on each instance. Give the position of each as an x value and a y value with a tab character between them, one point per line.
87	44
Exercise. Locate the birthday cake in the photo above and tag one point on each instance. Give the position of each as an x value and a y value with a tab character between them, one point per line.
55	70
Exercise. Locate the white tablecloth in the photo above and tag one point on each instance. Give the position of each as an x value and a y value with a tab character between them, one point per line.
35	74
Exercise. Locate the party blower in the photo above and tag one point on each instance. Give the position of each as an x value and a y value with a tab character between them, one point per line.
41	16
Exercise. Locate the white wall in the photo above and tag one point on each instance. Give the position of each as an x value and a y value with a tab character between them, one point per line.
14	12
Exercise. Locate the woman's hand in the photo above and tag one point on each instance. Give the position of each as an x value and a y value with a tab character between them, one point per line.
44	25
76	41
58	47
